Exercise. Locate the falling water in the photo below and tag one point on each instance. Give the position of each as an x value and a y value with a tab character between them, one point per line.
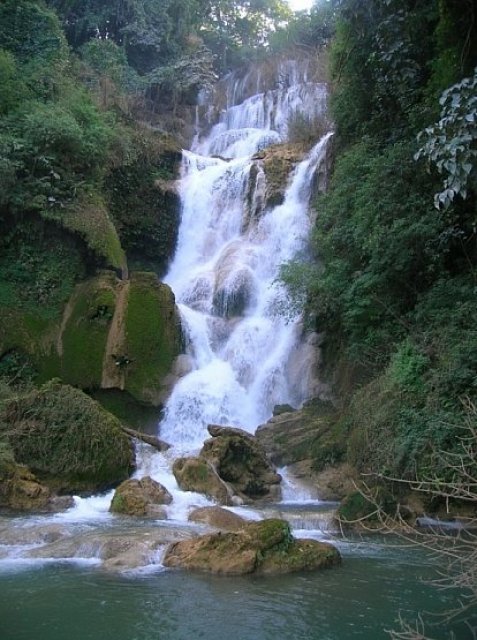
225	272
245	355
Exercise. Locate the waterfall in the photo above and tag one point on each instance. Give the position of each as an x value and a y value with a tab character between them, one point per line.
244	354
226	267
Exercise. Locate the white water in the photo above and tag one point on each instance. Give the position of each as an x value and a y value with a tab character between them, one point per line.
224	276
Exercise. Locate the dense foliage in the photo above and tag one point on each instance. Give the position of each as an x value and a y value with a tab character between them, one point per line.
394	287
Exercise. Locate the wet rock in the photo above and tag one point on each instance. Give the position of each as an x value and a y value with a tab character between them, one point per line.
241	462
218	517
115	551
278	409
278	162
197	474
140	498
265	547
12	534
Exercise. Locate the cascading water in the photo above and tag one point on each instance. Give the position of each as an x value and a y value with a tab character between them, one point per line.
239	331
244	354
225	271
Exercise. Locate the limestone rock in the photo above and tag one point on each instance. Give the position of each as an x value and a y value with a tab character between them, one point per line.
241	462
265	547
196	474
218	517
140	498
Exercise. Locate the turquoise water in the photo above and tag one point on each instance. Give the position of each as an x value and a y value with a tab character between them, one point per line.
361	599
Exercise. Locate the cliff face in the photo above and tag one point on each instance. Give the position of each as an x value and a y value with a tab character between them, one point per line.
71	307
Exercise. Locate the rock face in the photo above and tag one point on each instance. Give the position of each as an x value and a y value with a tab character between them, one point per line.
265	547
278	162
66	439
218	517
241	462
140	498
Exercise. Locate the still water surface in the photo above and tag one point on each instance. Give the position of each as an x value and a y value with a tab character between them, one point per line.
361	599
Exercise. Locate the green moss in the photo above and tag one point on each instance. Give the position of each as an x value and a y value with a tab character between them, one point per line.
66	438
90	219
118	504
128	410
356	507
144	203
86	332
153	336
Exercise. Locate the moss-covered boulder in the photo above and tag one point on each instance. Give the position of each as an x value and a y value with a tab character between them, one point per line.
153	338
67	439
121	335
197	474
142	497
265	547
87	319
241	462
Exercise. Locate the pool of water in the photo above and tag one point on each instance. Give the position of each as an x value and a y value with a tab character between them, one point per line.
361	599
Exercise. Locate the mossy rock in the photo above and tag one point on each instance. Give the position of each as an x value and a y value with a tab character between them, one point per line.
278	162
241	462
140	497
146	206
39	266
90	219
265	547
153	338
67	439
360	507
86	326
196	474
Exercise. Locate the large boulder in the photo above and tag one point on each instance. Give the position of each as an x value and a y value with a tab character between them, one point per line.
218	517
265	547
142	497
197	474
66	439
241	462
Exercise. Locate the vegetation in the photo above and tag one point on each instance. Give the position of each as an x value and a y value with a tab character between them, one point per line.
394	288
66	438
